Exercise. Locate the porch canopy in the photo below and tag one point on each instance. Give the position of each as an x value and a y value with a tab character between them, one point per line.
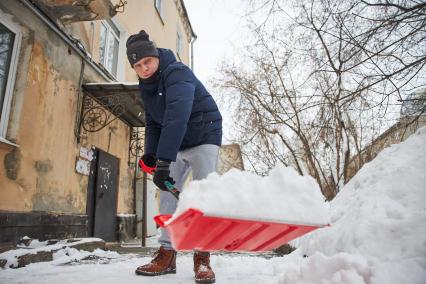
121	99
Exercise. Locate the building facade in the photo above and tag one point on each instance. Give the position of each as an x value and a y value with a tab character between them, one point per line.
70	127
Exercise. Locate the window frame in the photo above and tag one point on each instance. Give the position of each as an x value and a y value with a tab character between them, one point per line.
159	7
179	42
112	28
11	77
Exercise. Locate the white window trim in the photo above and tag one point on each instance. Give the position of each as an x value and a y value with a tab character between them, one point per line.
5	141
10	84
121	65
179	45
160	10
120	38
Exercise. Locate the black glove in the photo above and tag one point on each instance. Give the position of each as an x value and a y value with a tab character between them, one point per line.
147	163
149	160
162	175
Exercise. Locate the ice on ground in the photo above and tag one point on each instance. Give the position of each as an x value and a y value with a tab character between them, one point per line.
283	196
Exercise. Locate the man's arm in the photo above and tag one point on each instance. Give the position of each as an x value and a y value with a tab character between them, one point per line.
180	89
152	134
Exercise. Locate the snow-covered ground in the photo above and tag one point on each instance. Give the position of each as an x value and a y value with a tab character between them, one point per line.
377	235
36	246
113	268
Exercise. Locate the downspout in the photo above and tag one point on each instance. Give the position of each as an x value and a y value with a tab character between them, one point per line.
193	39
80	103
144	201
65	37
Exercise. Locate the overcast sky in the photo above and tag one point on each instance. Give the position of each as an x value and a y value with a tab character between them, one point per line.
219	27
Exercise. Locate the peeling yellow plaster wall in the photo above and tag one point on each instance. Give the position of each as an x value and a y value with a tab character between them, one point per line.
40	174
114	139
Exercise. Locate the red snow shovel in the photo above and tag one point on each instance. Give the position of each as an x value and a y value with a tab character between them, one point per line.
194	230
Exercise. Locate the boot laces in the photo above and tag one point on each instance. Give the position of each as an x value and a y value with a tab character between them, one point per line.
159	255
203	259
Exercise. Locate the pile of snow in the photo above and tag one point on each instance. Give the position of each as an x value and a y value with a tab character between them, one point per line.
283	196
69	255
378	225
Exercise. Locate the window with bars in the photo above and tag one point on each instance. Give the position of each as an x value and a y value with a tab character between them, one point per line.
109	46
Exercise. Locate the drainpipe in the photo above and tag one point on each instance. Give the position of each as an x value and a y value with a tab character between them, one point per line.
68	40
144	210
144	203
193	39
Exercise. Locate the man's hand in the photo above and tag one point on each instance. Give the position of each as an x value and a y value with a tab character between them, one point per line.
162	175
149	160
148	163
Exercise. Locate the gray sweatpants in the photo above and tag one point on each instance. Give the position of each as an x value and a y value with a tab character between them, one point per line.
202	160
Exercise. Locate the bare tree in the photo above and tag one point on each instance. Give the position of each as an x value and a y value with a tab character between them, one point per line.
316	84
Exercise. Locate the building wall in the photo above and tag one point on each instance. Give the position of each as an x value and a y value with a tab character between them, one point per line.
230	157
40	175
399	132
139	15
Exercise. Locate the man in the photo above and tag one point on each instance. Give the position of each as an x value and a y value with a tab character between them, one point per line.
183	133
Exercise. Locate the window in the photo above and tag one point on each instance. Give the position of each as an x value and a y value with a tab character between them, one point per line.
109	46
9	45
179	43
159	7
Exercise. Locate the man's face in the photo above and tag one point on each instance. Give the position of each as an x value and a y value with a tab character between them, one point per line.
146	67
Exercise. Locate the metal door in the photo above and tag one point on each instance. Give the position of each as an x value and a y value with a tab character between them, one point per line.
102	196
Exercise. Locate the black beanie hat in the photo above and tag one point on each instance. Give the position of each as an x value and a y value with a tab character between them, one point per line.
139	46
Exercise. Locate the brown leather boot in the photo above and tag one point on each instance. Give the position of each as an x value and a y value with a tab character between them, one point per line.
164	262
202	269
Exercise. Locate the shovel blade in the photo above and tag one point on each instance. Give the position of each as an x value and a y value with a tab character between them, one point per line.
193	230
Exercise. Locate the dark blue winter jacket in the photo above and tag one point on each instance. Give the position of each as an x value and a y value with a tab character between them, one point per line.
180	113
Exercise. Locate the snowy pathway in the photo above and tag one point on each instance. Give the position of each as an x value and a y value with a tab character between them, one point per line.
228	268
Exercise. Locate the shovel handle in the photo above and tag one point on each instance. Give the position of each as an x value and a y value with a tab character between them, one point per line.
150	170
172	189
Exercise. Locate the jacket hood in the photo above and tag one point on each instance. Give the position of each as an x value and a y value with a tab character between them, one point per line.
166	58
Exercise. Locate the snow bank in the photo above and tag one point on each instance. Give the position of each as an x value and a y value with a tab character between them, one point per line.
378	224
11	256
283	196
